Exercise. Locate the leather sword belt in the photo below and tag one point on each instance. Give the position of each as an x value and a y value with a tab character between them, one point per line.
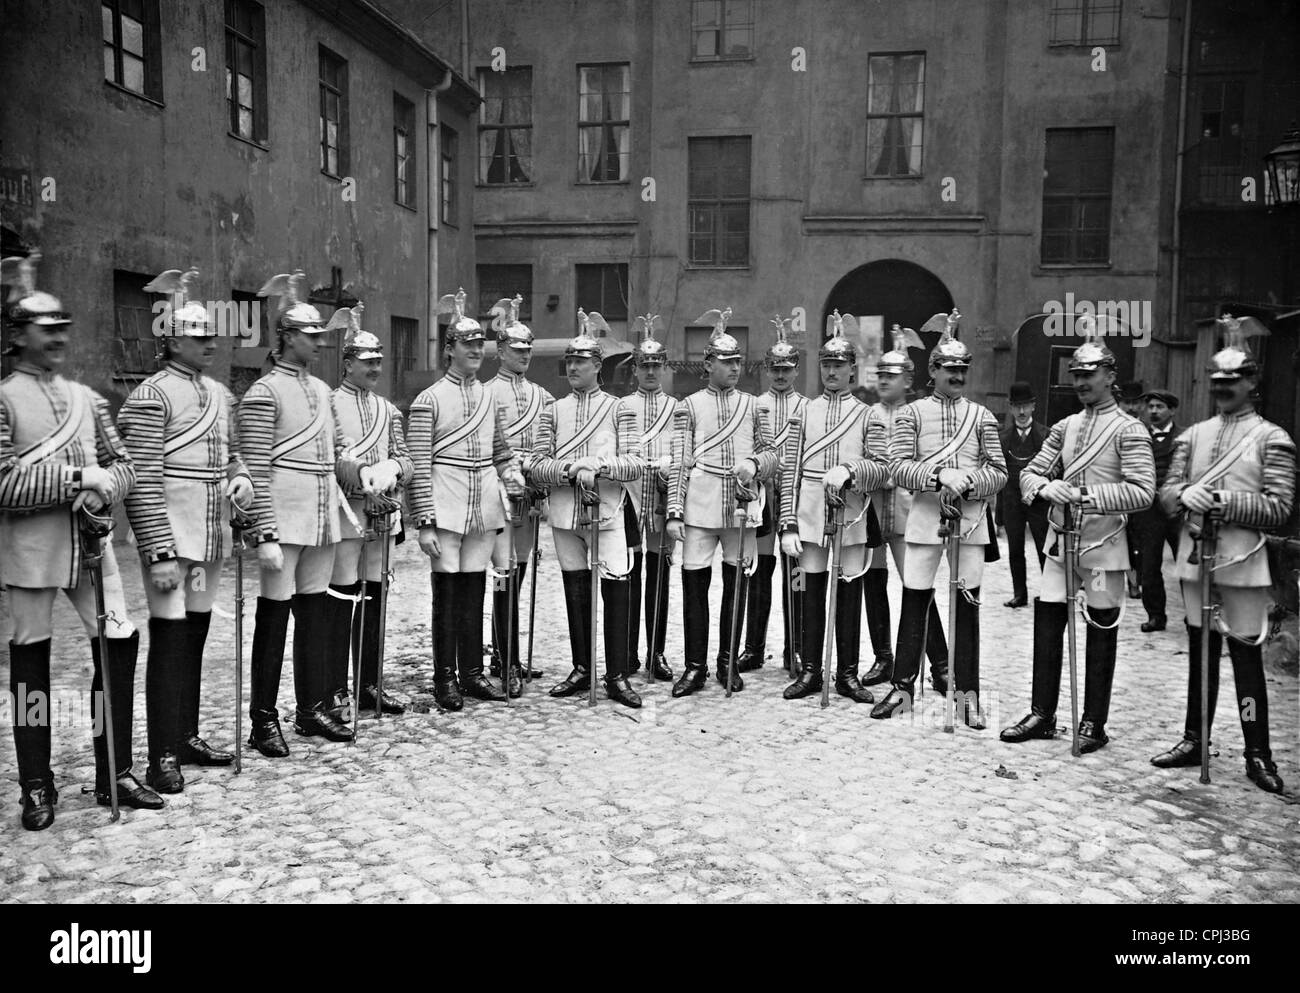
303	465
206	474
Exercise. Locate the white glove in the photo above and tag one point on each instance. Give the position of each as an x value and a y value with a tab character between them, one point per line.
382	477
239	491
791	545
836	479
1197	498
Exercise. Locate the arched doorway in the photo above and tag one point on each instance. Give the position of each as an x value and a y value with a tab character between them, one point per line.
887	292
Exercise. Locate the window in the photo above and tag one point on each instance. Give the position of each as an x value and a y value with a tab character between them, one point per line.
505	133
497	281
333	114
133	46
406	347
719	201
604	134
403	151
246	69
895	108
447	178
135	347
697	339
602	288
1221	150
1076	196
1207	281
1085	22
722	29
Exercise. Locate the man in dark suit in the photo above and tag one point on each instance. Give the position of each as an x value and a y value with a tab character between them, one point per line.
1132	399
1021	440
1152	526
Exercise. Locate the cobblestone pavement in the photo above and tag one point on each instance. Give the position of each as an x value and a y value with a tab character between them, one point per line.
752	799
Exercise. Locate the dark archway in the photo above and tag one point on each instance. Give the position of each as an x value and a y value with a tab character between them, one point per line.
899	292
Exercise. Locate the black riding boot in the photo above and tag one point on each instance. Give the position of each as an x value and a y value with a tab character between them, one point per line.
632	594
577	604
912	641
695	621
875	595
848	633
936	650
1049	628
966	661
29	689
757	614
340	621
619	613
809	680
1099	675
791	615
366	654
121	661
164	681
731	590
469	649
656	617
311	675
505	633
191	749
446	636
1252	707
1188	751
270	626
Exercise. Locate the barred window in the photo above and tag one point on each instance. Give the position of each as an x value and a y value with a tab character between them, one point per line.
505	132
1085	22
1078	168
246	69
719	201
604	130
722	29
132	35
895	114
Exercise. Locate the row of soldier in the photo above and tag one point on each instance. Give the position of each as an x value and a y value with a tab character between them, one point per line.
317	478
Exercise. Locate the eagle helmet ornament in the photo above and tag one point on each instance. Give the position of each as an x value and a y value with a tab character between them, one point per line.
950	352
357	344
649	350
188	317
27	304
839	347
587	345
1234	360
897	360
721	345
294	312
511	332
459	326
1093	353
781	354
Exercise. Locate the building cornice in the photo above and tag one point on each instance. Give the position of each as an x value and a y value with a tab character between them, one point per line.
556	228
893	223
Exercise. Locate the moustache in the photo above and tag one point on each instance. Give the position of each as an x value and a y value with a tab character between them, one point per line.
1220	393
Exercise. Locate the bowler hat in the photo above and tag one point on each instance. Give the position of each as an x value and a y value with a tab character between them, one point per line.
1164	396
1021	392
1130	391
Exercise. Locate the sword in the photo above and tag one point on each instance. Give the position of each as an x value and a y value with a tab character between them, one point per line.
237	547
382	523
1071	532
834	528
1208	551
367	535
94	528
741	518
950	533
512	612
660	518
535	514
590	516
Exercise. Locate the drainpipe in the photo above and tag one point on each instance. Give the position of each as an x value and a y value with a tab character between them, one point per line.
1175	310
433	160
464	38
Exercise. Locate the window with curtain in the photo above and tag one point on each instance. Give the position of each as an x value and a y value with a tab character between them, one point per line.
718	201
246	69
722	29
895	114
1078	166
448	176
1085	22
505	132
604	132
497	281
132	35
404	182
333	113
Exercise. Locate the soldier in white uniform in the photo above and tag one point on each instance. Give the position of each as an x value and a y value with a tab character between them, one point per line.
295	452
586	444
726	451
372	427
891	504
946	449
651	410
1240	469
59	455
776	406
1098	460
179	426
521	402
462	461
828	455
